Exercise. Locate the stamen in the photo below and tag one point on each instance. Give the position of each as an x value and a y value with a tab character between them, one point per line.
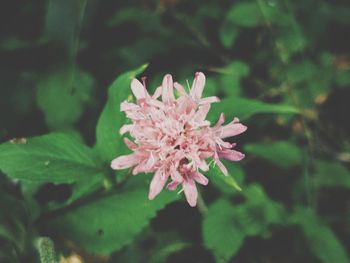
179	192
188	84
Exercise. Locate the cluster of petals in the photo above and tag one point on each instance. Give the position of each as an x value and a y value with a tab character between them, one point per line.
173	139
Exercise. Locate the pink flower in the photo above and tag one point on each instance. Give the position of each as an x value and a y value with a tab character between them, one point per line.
172	138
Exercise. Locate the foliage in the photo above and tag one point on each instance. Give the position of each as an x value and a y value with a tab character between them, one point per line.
282	70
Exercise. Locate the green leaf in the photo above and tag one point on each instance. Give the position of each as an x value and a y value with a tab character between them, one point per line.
221	233
112	221
228	33
138	16
56	158
62	97
331	173
231	77
281	153
342	78
260	211
244	108
321	239
289	43
108	140
161	254
227	183
245	14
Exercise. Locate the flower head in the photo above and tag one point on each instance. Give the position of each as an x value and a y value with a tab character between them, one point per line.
172	137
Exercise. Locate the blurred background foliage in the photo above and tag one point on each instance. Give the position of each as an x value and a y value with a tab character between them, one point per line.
282	67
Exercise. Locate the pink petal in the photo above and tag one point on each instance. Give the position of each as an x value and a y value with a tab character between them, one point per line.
200	178
157	185
220	121
125	161
190	190
180	89
222	167
209	100
156	103
201	113
127	106
231	155
157	92
126	128
172	186
203	166
232	129
138	89
197	86
175	175
167	89
142	167
130	144
224	144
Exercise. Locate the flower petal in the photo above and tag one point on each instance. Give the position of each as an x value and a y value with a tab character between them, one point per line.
168	89
203	166
127	106
138	89
157	92
156	103
180	89
222	167
157	184
197	86
232	129
130	144
190	191
201	113
220	121
126	128
172	186
175	175
209	100
231	155
125	161
200	178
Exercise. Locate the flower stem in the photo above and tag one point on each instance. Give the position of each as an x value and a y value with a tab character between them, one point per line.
202	207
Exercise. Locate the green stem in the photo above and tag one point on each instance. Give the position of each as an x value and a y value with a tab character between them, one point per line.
202	207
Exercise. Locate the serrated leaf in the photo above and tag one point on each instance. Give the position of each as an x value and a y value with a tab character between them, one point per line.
281	153
62	97
244	108
111	222
56	158
221	233
108	140
321	239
